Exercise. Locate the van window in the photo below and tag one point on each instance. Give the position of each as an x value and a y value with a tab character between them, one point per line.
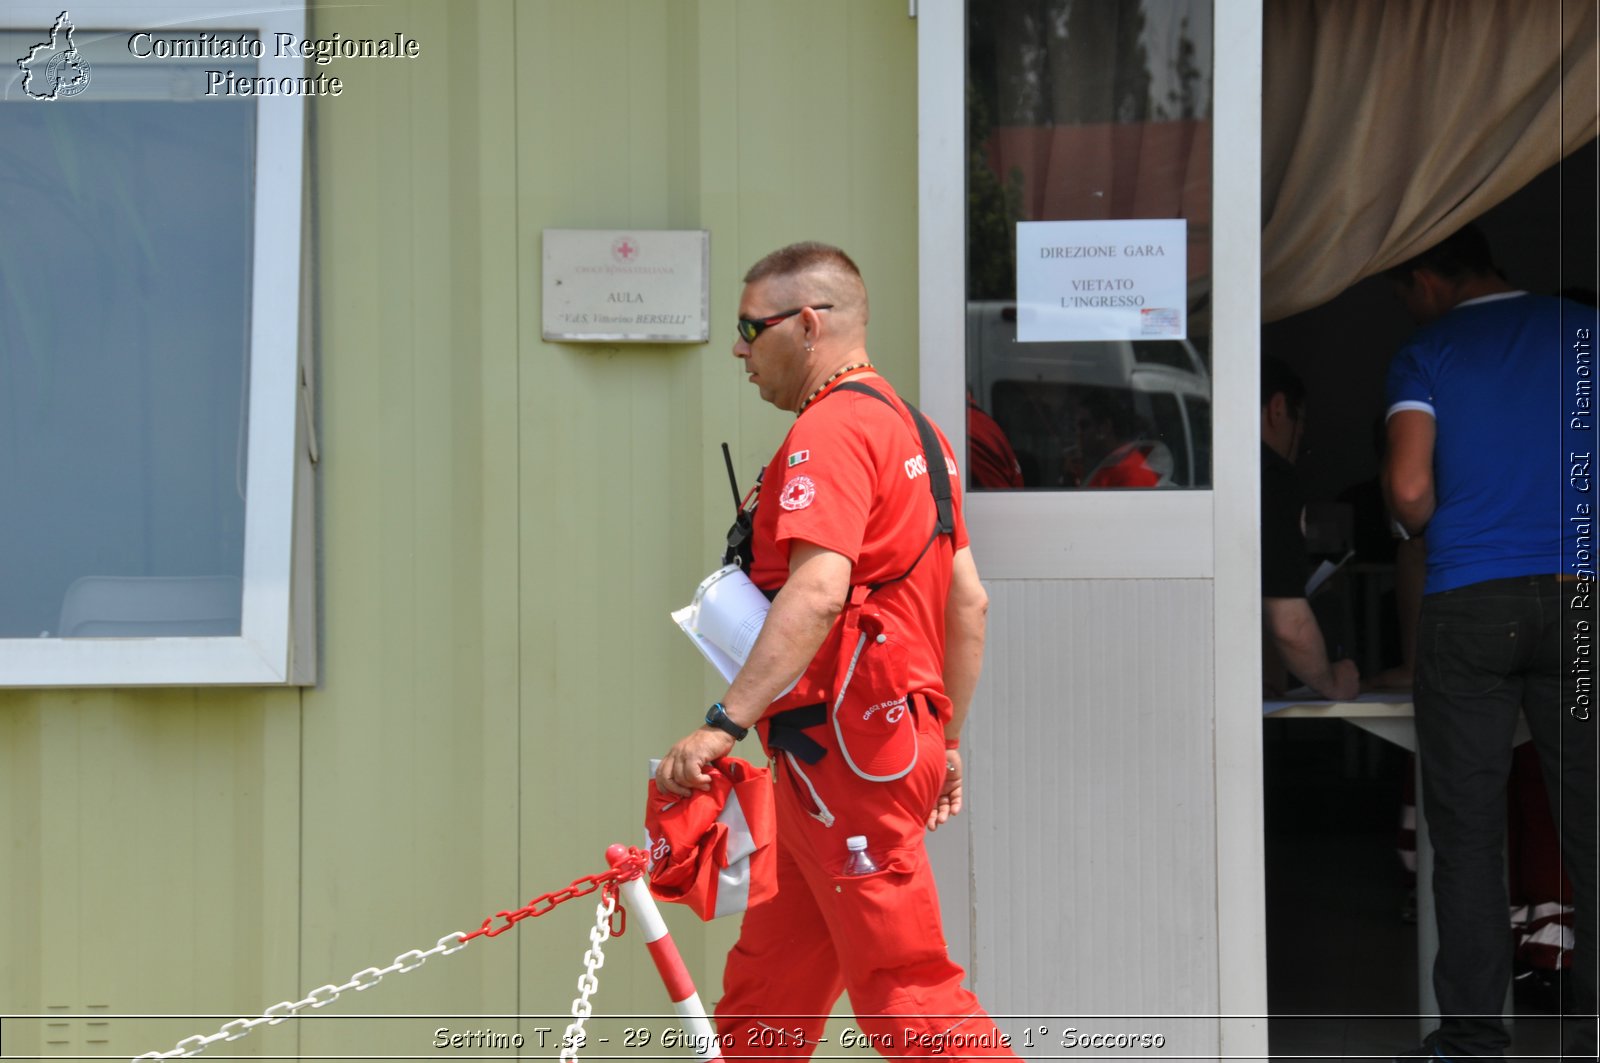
1096	437
1086	112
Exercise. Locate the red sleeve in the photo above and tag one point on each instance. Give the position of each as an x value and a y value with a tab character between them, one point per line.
827	481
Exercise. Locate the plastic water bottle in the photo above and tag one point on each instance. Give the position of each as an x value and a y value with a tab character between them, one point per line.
859	862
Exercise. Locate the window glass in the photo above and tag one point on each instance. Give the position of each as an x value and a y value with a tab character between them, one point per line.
1198	410
125	296
1088	112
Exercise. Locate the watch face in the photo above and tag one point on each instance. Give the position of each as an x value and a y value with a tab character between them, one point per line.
717	717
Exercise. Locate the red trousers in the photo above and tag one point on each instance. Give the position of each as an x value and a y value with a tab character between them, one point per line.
877	937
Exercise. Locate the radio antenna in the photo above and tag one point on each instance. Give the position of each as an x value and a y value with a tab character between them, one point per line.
733	481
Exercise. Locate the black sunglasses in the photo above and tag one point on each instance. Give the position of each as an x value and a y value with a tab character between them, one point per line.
750	328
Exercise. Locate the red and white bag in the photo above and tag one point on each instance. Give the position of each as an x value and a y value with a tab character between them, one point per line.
713	850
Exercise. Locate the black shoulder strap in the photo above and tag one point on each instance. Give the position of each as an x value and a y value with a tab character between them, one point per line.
932	452
938	476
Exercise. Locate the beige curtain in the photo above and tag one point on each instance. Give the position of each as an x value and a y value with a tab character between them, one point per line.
1388	125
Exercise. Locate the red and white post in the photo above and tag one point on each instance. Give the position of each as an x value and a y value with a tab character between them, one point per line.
669	962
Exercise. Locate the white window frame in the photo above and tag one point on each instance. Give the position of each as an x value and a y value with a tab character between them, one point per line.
261	654
1016	535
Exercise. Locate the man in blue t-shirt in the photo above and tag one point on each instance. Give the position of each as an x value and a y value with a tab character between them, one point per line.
1477	456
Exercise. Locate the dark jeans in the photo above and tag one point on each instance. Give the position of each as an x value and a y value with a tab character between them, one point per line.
1484	652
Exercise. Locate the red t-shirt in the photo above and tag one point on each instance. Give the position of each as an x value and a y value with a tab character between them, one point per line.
850	477
991	462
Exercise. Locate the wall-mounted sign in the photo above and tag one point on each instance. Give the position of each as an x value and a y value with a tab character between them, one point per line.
1102	280
627	285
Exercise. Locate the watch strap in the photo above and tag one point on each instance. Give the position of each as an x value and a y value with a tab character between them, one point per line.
717	717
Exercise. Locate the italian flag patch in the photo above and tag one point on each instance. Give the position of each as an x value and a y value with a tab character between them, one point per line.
799	457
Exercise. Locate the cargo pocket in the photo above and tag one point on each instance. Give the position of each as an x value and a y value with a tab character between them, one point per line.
871	714
893	912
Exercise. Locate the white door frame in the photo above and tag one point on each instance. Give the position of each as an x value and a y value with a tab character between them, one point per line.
1213	534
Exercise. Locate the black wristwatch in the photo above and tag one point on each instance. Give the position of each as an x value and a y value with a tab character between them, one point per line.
717	716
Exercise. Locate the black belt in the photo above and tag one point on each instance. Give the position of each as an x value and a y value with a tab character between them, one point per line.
787	730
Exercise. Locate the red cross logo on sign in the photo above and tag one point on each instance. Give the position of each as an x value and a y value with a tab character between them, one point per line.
625	249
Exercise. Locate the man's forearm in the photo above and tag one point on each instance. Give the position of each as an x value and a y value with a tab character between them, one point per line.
1298	639
795	628
963	661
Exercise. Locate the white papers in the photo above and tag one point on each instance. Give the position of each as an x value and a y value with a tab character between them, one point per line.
1307	696
1324	571
724	619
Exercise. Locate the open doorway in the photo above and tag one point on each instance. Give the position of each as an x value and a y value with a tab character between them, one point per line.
1342	938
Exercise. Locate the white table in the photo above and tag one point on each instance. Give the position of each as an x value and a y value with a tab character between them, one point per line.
1390	717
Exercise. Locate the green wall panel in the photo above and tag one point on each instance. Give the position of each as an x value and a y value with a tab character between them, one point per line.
409	801
148	866
505	524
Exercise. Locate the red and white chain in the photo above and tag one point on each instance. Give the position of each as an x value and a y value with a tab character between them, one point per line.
626	864
588	984
320	997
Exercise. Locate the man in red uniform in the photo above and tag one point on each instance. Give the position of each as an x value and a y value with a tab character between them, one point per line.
991	463
880	599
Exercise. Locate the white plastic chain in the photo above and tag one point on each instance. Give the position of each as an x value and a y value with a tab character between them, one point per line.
593	960
320	997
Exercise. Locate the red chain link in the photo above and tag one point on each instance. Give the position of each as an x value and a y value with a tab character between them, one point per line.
631	867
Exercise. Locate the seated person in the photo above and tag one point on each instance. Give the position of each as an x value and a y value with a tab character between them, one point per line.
1293	641
1378	540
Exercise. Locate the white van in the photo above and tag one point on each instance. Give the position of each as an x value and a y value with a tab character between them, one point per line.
1045	396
